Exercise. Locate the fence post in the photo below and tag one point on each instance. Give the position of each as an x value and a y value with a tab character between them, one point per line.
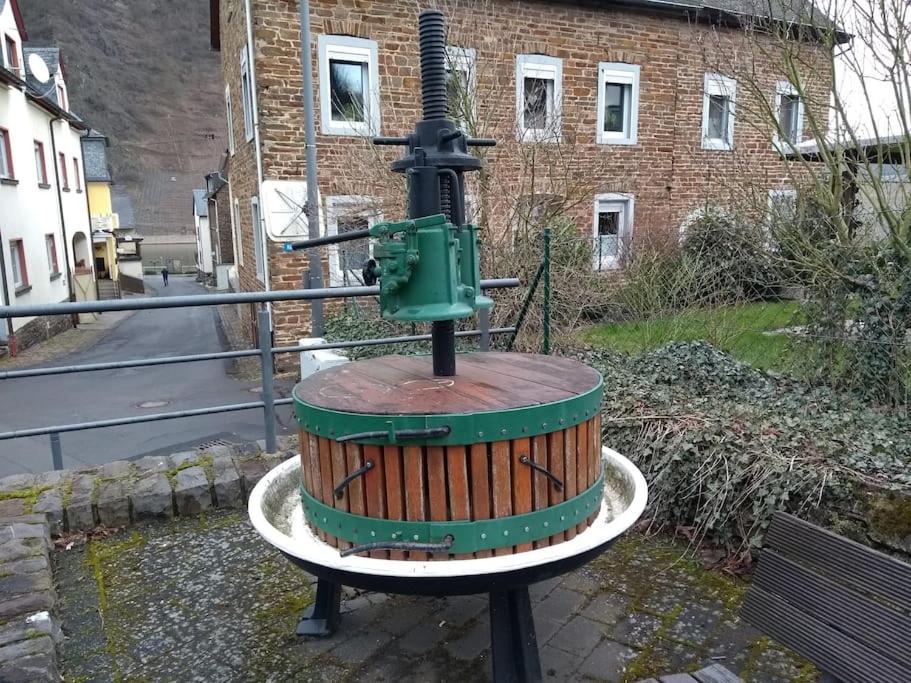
264	326
56	451
484	326
546	291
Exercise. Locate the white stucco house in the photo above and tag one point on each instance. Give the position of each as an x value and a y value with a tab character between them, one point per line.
204	260
45	235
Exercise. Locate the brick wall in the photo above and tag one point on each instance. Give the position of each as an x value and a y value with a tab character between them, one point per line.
220	223
667	171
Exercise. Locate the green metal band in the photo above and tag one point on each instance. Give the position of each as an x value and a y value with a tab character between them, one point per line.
468	537
465	428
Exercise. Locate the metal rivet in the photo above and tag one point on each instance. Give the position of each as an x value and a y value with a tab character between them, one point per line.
546	524
324	520
562	518
483	536
417	538
502	431
562	420
527	530
373	533
543	425
506	533
524	429
480	433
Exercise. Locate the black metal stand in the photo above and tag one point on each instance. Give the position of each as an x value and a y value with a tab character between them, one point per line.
512	629
321	618
512	636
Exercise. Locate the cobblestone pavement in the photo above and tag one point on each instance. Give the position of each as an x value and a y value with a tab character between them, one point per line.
205	599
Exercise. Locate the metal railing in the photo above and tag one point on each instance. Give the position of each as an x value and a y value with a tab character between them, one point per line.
265	351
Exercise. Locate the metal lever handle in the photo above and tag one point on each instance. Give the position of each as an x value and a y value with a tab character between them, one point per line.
429	433
343	484
525	460
327	239
390	141
401	545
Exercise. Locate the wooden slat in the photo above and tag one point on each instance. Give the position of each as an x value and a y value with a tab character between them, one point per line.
313	464
457	485
858	617
521	484
582	458
540	483
569	460
395	489
357	499
415	491
480	486
869	571
436	488
825	646
375	490
339	472
502	484
555	459
304	443
594	460
325	466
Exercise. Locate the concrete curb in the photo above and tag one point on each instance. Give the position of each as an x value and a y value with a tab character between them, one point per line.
35	508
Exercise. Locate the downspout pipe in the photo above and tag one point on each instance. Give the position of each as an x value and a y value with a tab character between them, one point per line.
313	231
251	65
66	241
6	300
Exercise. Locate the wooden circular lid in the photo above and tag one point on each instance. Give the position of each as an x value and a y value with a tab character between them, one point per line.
484	382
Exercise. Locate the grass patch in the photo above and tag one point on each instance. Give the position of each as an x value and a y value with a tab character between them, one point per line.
740	330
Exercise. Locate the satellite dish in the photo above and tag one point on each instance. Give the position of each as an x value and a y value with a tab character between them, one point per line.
38	68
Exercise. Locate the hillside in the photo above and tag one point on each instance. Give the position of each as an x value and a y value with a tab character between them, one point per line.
141	71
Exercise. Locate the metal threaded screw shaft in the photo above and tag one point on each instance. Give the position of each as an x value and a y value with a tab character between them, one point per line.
432	38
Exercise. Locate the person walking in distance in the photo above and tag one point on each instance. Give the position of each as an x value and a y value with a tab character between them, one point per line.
164	275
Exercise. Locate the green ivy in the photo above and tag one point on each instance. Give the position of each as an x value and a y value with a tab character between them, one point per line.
723	445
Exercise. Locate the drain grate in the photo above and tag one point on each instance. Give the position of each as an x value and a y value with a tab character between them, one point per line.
212	443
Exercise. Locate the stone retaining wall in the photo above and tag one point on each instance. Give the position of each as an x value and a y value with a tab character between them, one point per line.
36	508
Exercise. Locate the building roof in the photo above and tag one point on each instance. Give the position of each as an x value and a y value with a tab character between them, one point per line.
887	149
95	156
17	15
725	12
51	57
200	205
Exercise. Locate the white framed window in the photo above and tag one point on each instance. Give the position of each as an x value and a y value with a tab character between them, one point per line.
346	213
618	103
789	113
718	112
259	253
349	86
17	260
229	118
612	229
539	97
235	227
460	83
246	94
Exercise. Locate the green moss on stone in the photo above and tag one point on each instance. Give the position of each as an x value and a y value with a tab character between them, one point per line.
890	515
28	496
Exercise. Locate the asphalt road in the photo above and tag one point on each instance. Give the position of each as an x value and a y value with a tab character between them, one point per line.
67	399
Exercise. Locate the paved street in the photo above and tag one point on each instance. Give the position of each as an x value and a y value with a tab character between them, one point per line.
66	399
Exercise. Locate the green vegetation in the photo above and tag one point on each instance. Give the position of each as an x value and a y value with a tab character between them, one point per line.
742	330
28	496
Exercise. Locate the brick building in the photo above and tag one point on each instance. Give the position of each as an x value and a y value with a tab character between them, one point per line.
622	116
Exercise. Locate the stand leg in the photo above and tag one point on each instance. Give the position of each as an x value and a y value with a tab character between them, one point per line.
512	636
322	617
